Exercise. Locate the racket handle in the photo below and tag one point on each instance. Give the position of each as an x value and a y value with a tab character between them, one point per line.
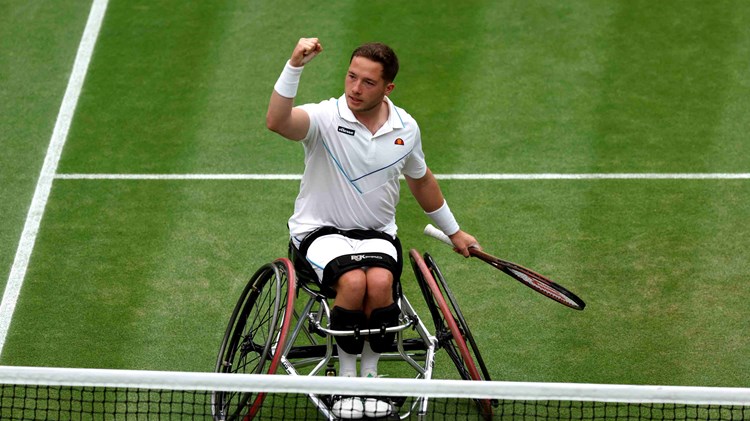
434	232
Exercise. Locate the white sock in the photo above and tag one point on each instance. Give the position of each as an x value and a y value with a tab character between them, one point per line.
347	363
369	364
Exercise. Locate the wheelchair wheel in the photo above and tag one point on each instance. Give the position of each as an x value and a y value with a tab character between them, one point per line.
459	317
257	329
451	329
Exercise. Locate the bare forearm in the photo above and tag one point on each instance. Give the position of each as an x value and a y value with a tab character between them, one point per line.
279	111
281	116
426	191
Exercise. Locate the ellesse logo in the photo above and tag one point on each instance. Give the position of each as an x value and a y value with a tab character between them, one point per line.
345	130
399	141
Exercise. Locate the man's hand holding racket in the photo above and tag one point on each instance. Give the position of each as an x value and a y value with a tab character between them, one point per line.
528	277
462	241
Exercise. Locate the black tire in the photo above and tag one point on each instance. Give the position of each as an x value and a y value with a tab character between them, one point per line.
257	327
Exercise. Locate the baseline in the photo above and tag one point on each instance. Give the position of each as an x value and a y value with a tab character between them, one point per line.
547	176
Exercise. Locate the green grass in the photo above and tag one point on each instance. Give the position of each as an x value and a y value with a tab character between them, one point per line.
143	274
38	42
664	287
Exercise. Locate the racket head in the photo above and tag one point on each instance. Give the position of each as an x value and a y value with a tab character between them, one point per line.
533	280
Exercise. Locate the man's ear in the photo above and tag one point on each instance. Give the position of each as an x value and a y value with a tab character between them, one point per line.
389	88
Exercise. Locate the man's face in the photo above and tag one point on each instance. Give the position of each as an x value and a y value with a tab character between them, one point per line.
365	87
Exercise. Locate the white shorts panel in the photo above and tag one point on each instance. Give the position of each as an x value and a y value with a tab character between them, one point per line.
328	247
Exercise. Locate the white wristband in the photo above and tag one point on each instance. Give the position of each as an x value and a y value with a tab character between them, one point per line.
444	219
288	81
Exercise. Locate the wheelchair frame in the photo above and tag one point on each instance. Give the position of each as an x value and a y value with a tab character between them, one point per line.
269	330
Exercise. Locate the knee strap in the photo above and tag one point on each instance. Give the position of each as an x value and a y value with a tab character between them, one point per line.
382	318
343	319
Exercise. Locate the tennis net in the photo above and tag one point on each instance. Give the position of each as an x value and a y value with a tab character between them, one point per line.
38	393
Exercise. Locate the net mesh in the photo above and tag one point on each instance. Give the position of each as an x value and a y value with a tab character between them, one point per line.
86	394
54	402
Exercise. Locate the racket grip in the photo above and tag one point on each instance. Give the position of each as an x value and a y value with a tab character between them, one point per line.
431	231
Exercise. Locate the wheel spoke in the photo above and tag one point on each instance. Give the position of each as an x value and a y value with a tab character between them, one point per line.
257	326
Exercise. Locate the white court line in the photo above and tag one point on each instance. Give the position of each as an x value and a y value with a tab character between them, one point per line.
600	176
551	176
178	176
44	183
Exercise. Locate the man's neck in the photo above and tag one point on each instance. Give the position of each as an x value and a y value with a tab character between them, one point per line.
374	119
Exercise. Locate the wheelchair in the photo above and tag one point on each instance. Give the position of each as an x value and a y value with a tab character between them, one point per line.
280	324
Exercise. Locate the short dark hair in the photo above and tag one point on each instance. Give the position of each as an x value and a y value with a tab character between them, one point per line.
380	53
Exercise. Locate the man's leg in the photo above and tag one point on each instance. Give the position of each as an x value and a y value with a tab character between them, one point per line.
379	289
382	312
348	314
379	296
351	288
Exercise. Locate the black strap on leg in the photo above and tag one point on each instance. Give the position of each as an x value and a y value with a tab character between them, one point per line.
343	319
357	234
382	318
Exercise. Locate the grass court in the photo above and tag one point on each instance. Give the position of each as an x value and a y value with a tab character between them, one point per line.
145	242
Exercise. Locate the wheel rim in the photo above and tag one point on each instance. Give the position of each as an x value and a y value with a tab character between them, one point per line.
255	331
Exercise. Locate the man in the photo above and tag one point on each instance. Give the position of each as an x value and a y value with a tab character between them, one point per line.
356	147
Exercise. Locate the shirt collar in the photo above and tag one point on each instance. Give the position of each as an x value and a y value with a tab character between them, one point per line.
394	119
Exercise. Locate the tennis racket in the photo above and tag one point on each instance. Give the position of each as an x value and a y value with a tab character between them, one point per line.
528	277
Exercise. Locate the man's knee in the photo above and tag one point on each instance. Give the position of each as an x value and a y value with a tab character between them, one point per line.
379	287
352	285
379	278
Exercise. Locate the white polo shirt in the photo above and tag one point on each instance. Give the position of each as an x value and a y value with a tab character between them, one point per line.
351	177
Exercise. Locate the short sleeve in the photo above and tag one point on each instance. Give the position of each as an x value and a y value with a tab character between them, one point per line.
415	166
313	111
